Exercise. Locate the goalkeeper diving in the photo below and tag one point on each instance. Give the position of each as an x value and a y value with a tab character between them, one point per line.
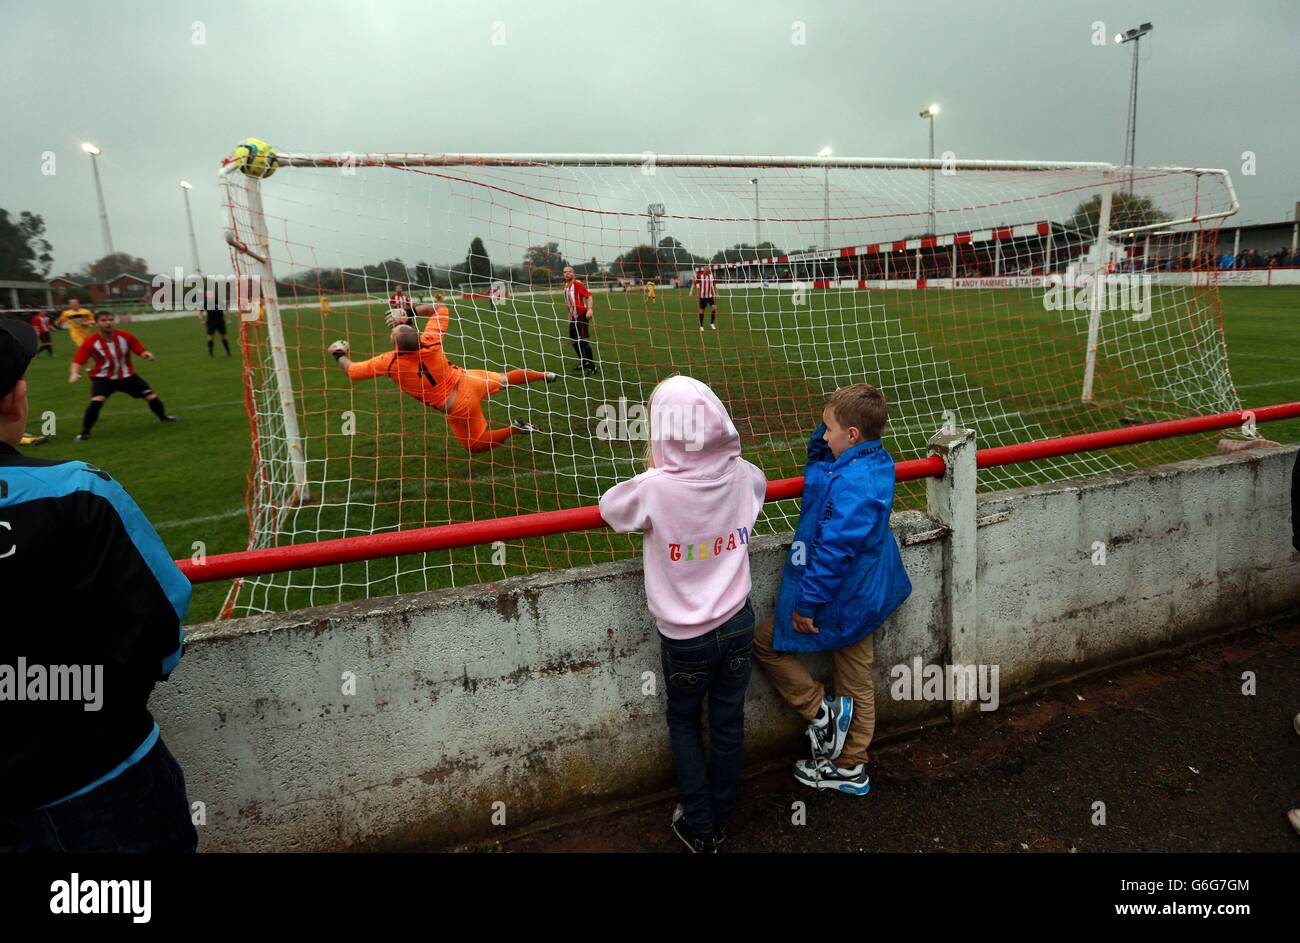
420	368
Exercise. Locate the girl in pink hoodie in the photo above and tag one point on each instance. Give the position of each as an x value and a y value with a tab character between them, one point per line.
696	504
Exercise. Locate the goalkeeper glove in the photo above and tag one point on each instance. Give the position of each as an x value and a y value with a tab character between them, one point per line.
396	316
339	349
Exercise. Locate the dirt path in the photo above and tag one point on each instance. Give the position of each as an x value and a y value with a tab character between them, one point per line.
1182	759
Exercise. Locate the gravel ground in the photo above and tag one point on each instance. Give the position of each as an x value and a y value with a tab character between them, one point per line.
1182	759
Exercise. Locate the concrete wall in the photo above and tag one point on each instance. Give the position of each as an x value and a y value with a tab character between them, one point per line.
1189	549
532	692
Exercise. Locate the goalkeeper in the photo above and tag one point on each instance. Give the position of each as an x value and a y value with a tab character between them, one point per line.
420	368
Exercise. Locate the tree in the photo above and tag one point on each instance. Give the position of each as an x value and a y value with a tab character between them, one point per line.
640	262
477	267
317	279
24	251
119	263
547	257
1126	212
744	252
674	256
424	275
586	270
388	272
646	261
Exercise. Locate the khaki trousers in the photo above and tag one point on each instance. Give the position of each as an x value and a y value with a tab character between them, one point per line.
851	676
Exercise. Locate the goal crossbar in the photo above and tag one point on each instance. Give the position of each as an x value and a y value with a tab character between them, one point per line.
758	162
688	160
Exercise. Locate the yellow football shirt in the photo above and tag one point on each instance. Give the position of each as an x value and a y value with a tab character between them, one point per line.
81	324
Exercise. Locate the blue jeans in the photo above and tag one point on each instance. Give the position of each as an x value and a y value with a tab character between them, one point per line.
144	808
715	667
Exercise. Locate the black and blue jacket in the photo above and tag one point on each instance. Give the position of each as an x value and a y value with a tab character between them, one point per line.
84	580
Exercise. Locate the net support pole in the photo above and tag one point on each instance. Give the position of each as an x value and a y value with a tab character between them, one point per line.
275	336
950	500
1102	250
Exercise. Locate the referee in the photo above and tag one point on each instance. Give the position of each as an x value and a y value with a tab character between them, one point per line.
215	316
582	309
82	765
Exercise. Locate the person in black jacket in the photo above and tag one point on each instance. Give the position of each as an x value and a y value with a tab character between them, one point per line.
82	765
215	316
1294	815
1295	503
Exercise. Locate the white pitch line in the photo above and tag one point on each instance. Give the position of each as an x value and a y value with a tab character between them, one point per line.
204	519
221	405
1232	356
1255	386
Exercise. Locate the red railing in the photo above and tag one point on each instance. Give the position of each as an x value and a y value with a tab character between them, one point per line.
474	533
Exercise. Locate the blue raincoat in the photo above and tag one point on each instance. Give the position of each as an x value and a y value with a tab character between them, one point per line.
844	570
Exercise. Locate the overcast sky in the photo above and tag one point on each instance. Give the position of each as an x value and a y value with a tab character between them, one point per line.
1016	80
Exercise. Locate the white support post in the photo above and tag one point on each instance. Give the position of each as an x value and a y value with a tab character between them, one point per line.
918	264
887	255
275	336
997	256
1047	252
954	262
950	500
1101	249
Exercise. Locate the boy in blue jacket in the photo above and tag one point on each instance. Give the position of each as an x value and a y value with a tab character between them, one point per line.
843	578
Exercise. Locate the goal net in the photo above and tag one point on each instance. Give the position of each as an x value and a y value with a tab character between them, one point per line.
497	292
1023	300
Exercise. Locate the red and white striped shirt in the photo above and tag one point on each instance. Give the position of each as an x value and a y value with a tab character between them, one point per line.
708	289
575	296
398	299
112	356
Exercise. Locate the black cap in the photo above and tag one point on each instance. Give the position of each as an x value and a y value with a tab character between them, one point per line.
17	348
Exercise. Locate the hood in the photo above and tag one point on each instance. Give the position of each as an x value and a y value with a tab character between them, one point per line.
691	433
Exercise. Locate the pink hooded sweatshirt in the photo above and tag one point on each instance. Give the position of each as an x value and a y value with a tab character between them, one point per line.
697	508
